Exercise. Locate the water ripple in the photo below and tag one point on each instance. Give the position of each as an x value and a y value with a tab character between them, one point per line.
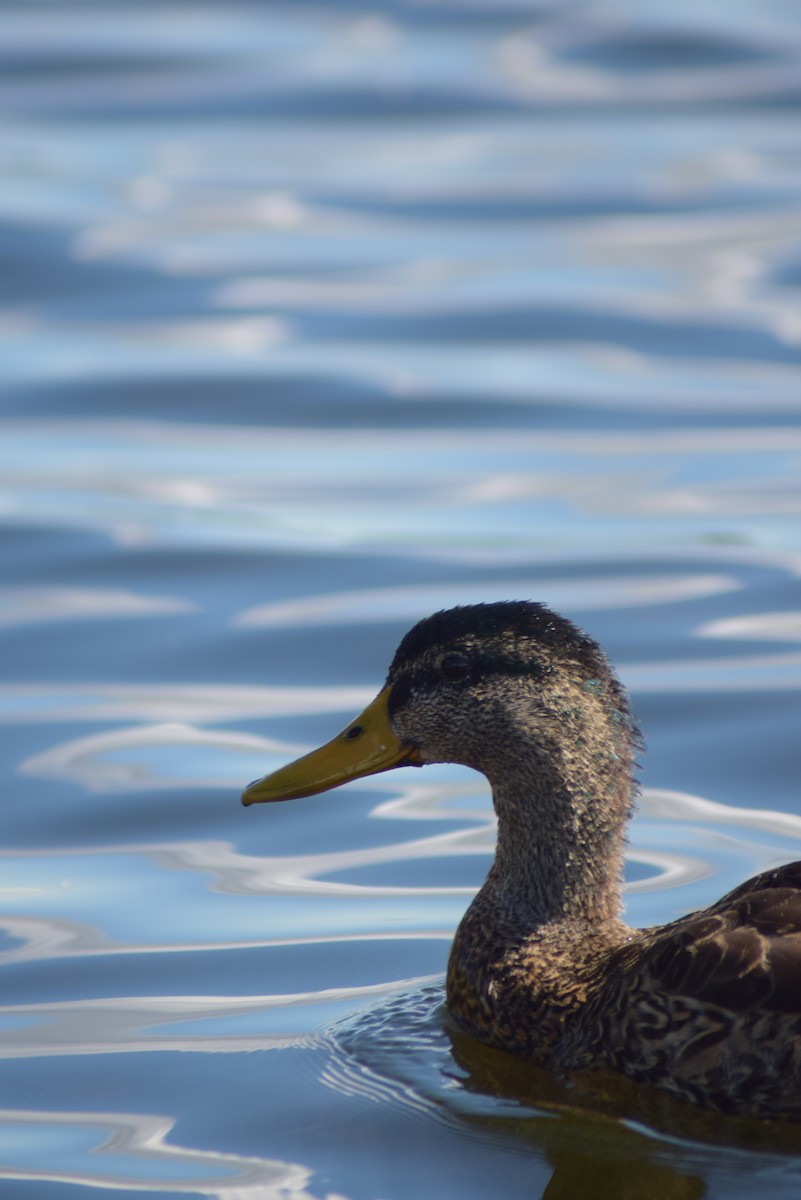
313	321
132	1150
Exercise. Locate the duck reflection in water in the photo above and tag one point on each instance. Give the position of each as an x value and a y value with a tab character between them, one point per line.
707	1008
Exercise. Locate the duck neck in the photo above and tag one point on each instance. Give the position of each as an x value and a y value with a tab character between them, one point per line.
560	848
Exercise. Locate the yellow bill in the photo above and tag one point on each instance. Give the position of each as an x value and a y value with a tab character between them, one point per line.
365	747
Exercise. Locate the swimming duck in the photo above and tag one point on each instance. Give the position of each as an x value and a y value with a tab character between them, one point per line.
542	965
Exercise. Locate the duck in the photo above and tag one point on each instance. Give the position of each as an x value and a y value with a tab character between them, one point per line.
542	965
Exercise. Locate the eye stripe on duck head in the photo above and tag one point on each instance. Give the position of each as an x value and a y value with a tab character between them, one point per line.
508	638
429	674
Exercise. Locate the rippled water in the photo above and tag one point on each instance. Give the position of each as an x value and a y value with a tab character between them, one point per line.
315	319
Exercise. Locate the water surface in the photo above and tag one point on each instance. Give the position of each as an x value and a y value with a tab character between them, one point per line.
315	319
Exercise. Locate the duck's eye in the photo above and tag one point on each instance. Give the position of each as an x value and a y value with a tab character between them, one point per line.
455	666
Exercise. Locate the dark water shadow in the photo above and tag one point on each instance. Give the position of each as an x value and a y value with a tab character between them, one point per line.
610	1138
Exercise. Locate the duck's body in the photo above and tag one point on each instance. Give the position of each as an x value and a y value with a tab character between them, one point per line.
708	1007
542	965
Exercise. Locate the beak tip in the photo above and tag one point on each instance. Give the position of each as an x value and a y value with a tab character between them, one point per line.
247	796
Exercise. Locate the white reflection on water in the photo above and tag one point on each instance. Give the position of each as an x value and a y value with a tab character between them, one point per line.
767	627
206	1024
763	672
412	602
60	938
132	1151
25	703
32	605
681	806
243	335
133	758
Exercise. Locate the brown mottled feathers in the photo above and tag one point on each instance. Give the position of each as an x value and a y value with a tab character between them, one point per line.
743	952
709	1007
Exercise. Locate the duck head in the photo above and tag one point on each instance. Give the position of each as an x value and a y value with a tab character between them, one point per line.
511	689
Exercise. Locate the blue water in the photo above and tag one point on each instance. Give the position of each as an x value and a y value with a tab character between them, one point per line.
314	319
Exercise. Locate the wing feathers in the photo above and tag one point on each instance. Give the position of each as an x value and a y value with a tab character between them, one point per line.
744	953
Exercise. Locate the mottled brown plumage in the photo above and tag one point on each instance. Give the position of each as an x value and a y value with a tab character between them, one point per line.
542	966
